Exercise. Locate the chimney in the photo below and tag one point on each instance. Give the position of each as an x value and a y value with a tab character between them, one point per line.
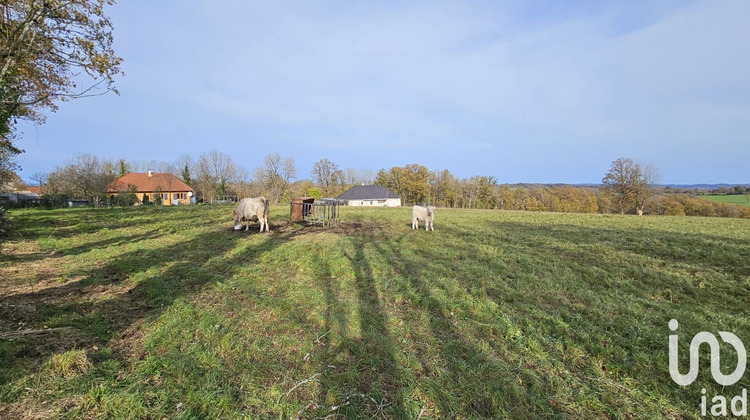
149	173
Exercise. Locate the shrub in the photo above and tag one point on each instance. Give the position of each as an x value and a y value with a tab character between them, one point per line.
672	207
727	210
6	227
604	201
313	192
54	200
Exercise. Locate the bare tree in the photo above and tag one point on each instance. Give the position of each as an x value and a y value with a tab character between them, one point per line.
184	167
623	180
327	175
40	178
8	163
650	176
275	175
359	176
630	184
215	171
83	176
153	165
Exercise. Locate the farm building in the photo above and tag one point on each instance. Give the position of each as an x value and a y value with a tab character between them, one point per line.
370	195
153	187
15	194
19	198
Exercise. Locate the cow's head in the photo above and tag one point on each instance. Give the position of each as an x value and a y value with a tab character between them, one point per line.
236	217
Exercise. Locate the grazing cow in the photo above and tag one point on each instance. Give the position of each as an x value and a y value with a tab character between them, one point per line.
251	210
422	213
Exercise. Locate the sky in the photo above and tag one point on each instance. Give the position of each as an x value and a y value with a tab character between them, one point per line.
544	91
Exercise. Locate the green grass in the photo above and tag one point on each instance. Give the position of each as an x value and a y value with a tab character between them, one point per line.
740	200
495	314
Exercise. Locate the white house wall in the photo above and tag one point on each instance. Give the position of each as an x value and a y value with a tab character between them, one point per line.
388	202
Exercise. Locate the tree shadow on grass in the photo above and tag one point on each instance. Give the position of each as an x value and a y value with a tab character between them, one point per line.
639	261
65	223
332	377
460	378
377	369
106	303
716	252
596	289
360	376
55	225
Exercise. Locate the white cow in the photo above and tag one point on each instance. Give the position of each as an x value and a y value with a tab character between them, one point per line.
419	213
251	210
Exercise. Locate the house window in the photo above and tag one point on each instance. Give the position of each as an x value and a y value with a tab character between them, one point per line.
165	197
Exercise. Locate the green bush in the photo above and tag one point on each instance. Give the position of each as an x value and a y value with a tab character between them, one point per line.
54	200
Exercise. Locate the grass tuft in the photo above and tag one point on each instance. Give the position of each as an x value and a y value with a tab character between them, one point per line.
70	364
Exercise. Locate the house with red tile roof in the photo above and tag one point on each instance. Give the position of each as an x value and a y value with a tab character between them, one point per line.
152	187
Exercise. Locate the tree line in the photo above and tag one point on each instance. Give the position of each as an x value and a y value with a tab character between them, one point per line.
213	176
628	187
736	190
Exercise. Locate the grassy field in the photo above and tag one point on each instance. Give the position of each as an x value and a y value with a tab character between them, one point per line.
740	200
168	312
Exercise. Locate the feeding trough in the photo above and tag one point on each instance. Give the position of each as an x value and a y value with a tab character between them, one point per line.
307	209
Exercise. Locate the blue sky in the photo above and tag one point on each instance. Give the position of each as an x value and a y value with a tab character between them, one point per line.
529	92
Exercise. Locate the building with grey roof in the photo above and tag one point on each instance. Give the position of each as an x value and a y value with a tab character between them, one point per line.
370	195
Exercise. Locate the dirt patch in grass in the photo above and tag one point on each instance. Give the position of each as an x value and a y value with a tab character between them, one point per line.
44	342
24	266
28	409
299	228
22	306
33	292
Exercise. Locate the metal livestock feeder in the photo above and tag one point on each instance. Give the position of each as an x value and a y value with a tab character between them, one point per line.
306	209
